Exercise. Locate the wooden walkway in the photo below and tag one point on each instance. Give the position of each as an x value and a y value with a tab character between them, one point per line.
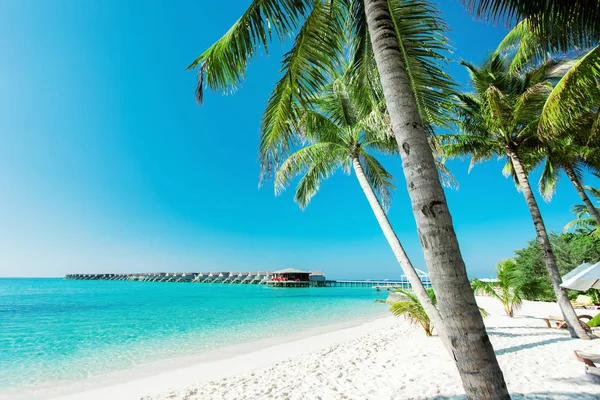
253	278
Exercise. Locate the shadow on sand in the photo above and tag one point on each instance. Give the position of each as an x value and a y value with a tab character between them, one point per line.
508	334
518	396
526	327
530	345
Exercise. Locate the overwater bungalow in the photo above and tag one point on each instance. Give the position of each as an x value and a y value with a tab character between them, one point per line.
290	277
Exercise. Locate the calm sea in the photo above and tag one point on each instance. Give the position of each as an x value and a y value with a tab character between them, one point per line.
52	330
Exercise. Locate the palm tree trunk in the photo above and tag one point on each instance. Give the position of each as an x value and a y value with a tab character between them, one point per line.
471	347
586	200
401	256
569	315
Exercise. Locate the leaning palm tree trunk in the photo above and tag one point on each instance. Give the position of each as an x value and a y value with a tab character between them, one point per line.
573	324
581	191
471	347
407	267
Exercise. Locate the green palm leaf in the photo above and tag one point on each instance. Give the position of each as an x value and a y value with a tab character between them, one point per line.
380	179
306	69
413	311
563	24
223	65
577	92
510	288
338	126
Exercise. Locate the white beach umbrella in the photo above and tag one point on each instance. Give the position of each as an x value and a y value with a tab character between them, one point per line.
582	278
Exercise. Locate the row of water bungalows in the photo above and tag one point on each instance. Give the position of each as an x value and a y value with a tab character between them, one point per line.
284	278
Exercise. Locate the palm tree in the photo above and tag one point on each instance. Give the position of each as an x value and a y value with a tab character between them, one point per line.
569	122
405	38
341	129
569	119
412	309
501	118
510	289
545	29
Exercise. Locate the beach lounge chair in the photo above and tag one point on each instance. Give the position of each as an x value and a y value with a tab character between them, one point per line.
562	324
590	360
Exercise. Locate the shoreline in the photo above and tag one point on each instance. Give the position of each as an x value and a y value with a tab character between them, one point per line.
385	357
136	379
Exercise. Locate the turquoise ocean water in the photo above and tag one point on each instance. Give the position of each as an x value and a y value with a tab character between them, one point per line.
57	331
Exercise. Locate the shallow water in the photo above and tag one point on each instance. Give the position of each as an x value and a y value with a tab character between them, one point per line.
53	330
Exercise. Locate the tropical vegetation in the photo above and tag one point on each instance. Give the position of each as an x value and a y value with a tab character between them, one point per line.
529	107
412	310
342	129
569	122
402	39
570	249
501	118
509	287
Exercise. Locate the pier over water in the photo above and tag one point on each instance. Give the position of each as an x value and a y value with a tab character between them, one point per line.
283	278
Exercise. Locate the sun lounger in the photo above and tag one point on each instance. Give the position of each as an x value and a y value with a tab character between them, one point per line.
589	359
562	324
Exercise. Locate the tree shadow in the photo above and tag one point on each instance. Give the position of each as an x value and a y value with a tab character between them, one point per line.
508	334
553	330
520	396
525	346
584	376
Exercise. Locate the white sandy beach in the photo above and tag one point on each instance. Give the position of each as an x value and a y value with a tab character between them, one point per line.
383	359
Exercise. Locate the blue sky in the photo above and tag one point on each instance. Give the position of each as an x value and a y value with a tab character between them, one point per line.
108	164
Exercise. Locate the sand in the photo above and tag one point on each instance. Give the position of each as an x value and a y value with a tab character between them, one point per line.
383	359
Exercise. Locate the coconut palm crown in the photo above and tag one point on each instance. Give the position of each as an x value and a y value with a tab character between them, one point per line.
502	113
337	131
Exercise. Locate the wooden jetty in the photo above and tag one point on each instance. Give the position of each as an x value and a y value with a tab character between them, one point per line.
283	278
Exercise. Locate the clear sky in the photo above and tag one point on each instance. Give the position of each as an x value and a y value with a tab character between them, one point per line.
107	164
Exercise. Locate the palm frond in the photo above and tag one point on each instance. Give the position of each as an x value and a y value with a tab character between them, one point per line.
479	148
563	24
548	180
523	47
577	92
413	312
594	191
316	162
584	223
223	65
446	177
485	287
379	178
306	68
